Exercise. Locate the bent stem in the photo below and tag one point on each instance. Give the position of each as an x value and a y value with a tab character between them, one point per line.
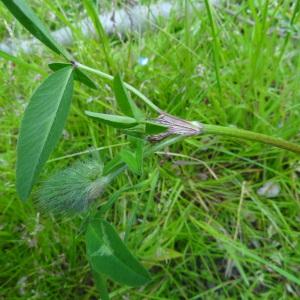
106	76
250	136
207	128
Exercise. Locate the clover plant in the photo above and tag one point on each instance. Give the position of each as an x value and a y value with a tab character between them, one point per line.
76	188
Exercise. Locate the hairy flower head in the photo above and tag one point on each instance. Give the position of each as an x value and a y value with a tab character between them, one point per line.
73	189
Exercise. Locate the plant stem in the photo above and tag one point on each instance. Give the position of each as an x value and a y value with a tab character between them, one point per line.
207	128
103	75
250	136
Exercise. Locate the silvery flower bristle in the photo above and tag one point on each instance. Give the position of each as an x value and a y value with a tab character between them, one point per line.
73	189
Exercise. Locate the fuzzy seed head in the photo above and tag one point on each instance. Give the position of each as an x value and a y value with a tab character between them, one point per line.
73	189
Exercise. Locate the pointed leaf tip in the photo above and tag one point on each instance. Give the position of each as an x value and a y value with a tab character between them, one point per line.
113	120
25	15
126	104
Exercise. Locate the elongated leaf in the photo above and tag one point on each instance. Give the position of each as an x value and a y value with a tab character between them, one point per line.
24	14
92	12
107	254
130	159
20	62
42	126
78	74
113	120
154	128
139	154
127	106
137	131
113	165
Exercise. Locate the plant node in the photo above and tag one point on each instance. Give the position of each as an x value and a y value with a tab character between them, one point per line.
176	126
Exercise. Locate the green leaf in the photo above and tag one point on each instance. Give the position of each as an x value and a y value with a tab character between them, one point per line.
24	14
92	12
101	285
41	127
154	128
130	159
139	154
113	120
107	254
127	106
20	62
137	131
113	165
78	74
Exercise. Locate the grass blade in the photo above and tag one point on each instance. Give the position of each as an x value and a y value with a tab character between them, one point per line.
20	62
93	14
25	15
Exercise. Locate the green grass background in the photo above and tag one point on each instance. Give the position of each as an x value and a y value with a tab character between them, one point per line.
196	222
